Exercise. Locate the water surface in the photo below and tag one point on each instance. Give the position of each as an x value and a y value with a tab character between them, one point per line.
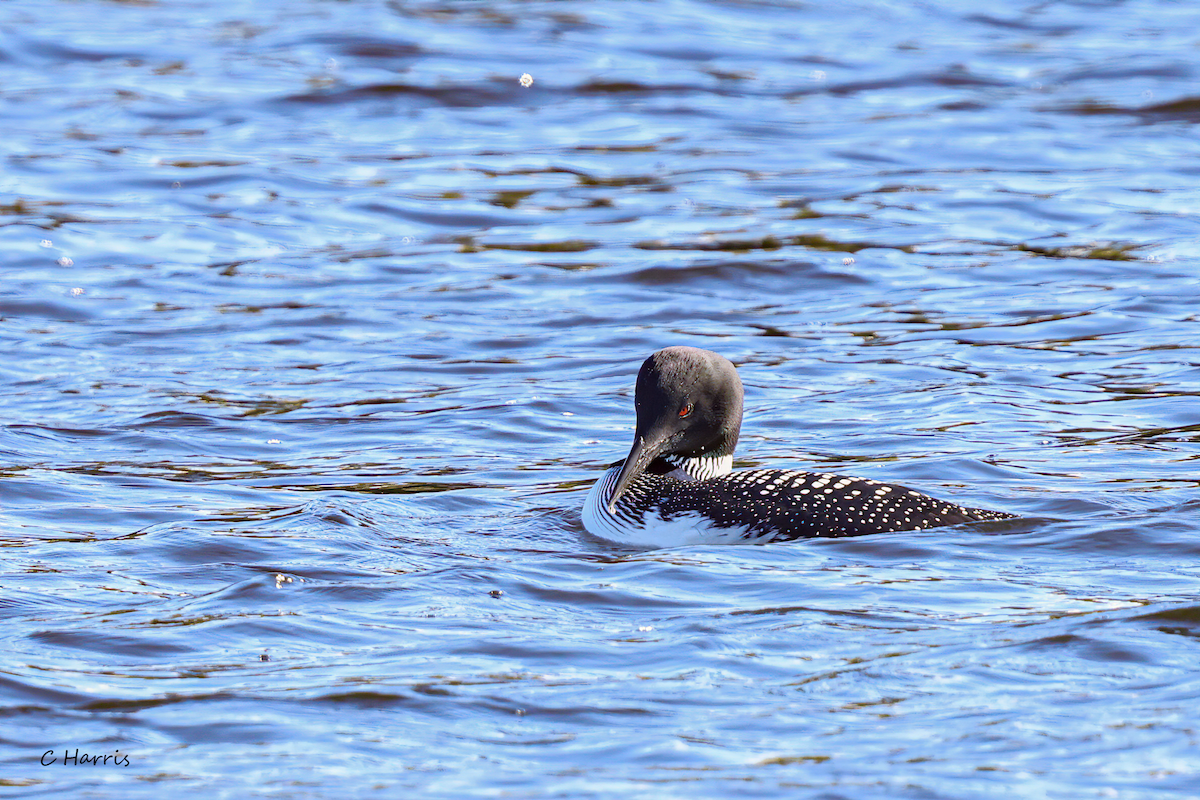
317	324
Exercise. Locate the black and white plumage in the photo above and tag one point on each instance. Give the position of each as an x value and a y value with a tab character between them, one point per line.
677	485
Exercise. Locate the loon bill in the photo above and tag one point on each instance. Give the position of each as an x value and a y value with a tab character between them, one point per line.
677	485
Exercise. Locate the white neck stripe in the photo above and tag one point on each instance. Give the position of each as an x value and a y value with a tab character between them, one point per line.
700	467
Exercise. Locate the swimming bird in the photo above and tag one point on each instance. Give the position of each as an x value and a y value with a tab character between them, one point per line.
678	486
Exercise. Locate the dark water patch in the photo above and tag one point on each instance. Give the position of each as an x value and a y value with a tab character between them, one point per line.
117	646
1184	110
13	308
396	52
1113	252
953	77
734	272
768	243
22	693
1028	23
177	419
461	96
569	246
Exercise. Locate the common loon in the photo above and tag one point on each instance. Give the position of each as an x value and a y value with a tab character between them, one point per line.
677	485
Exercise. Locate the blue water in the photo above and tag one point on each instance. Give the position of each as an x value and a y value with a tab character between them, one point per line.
317	324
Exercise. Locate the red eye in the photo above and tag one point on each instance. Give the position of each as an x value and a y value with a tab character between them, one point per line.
686	411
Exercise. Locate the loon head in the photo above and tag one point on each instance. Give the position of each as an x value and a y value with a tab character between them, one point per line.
689	404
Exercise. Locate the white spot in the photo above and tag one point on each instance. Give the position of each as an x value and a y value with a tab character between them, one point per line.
527	80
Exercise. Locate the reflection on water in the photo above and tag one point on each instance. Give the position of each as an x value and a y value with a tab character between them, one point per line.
319	320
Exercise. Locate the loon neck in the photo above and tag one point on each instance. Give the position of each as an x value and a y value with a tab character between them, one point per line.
698	468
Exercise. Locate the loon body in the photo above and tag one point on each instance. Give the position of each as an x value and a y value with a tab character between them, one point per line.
677	485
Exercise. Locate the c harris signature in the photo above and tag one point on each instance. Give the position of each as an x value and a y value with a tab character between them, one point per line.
77	758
